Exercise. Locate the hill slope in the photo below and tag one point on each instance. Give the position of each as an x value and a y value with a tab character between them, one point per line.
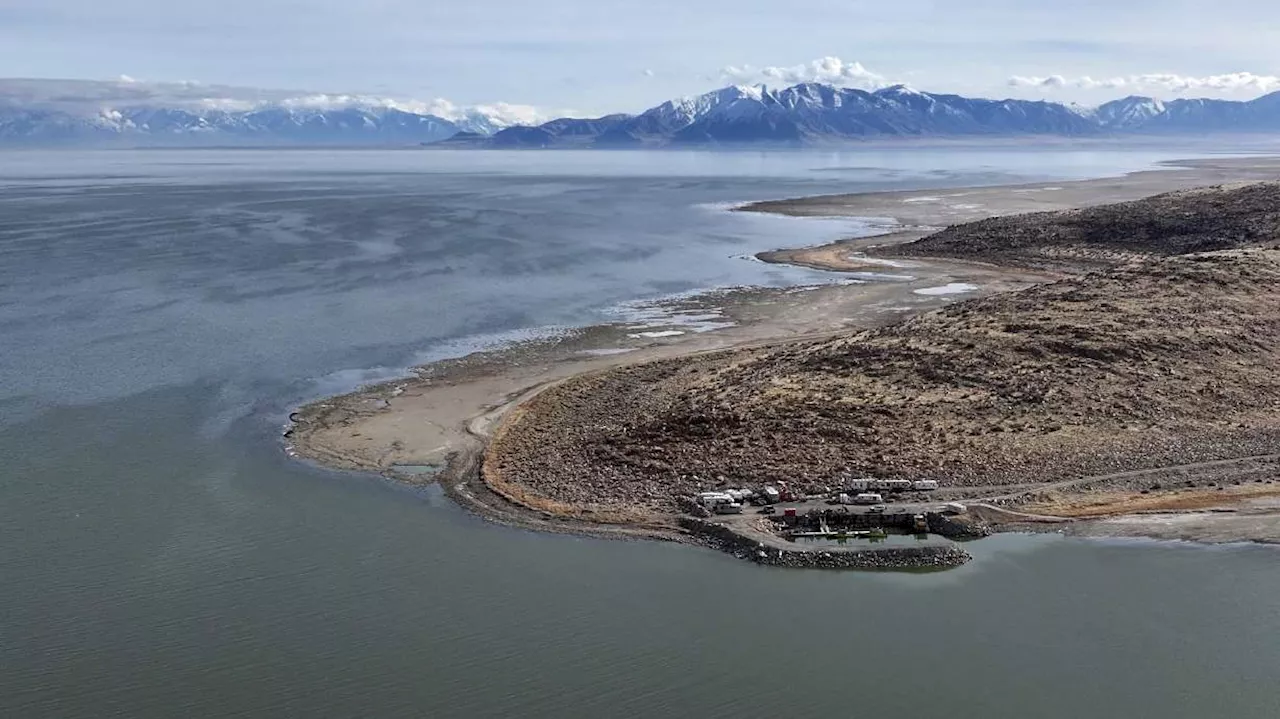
1176	223
1164	356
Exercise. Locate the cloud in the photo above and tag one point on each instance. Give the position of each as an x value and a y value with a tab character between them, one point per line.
830	70
500	113
1155	82
89	97
227	104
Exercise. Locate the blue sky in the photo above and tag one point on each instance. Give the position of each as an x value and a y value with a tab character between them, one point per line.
609	56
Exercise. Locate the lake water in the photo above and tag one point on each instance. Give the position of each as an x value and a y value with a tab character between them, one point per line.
160	312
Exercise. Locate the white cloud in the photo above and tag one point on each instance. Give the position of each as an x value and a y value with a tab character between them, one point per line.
227	104
89	97
830	70
500	114
1156	82
519	114
322	101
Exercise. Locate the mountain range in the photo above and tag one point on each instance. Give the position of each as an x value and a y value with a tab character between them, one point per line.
813	113
804	114
181	127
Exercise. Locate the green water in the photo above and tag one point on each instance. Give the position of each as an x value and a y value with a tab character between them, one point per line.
162	557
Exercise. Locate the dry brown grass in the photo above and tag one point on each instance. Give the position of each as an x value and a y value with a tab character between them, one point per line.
1114	503
1164	361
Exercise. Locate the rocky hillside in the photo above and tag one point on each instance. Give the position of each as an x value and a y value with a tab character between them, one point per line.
1200	220
1166	360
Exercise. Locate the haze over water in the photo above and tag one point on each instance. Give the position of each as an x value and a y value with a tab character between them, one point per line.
160	313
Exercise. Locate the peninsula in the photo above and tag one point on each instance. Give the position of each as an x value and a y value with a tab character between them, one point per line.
1112	375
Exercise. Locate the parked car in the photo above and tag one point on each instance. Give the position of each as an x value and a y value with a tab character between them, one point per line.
769	509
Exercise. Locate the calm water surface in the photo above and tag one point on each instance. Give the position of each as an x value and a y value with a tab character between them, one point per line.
160	312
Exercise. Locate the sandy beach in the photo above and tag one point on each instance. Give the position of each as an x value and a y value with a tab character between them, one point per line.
437	424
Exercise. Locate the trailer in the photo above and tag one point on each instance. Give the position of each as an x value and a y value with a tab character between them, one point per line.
924	485
868	498
711	499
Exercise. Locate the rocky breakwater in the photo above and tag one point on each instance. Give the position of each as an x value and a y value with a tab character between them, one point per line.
725	539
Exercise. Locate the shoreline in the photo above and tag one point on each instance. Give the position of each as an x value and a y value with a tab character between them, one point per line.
446	415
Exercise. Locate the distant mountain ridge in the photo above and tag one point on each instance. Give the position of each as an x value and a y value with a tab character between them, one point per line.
184	127
811	113
804	114
1145	114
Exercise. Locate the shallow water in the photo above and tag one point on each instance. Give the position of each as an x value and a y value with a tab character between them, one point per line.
161	311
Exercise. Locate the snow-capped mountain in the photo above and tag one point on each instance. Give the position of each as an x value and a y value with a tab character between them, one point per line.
129	112
804	114
1132	111
267	126
32	113
479	123
1147	115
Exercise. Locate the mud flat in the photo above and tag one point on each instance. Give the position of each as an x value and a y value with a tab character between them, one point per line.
1085	354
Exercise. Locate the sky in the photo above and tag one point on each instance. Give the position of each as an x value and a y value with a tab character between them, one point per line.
607	56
